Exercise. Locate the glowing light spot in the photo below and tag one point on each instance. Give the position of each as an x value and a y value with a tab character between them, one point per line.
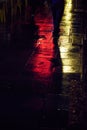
71	69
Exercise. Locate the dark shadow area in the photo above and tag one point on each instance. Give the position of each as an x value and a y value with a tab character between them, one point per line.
57	69
57	8
27	103
24	35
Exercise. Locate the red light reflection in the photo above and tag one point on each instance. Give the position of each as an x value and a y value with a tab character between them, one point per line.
41	61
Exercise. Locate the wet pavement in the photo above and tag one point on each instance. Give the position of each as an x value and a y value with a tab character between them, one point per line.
40	80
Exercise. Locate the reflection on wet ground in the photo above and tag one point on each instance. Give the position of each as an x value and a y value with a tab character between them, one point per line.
56	66
47	75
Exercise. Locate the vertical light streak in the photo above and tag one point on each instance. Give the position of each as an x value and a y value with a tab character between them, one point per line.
67	19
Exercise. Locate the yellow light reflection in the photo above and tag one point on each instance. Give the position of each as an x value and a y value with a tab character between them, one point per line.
71	69
63	40
68	1
67	18
63	50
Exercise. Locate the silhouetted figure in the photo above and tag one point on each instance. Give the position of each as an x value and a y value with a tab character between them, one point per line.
57	12
34	4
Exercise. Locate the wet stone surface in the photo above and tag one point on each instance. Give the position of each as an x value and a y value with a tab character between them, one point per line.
42	85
